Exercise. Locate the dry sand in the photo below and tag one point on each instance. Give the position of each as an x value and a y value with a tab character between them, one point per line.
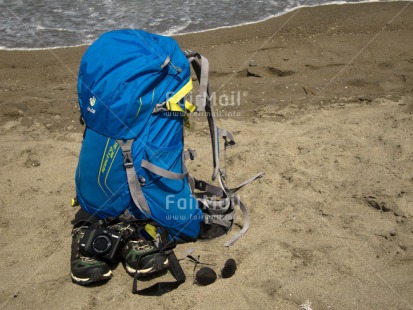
329	121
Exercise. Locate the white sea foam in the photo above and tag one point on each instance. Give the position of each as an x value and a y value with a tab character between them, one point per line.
184	23
39	27
5	48
56	24
279	14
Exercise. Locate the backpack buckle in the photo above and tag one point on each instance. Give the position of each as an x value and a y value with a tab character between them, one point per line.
201	185
190	154
126	146
207	219
127	159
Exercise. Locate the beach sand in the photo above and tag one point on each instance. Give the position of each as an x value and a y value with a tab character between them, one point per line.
320	99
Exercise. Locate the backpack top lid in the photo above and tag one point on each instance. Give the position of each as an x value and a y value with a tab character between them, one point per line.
123	75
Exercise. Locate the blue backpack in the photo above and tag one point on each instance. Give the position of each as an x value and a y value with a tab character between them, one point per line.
132	90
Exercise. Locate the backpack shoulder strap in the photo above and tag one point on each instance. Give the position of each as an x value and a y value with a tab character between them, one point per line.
133	182
203	103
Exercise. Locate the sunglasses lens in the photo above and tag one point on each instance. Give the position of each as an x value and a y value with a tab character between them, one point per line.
205	276
229	268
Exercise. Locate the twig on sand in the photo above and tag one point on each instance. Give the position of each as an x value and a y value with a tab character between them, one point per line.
307	90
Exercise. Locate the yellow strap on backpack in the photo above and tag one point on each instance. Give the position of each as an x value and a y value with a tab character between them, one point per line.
173	103
190	107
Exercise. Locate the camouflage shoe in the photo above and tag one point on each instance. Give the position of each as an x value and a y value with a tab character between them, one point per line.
143	258
124	228
86	270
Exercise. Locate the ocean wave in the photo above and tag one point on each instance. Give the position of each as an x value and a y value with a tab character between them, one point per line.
178	28
81	24
279	14
39	27
5	48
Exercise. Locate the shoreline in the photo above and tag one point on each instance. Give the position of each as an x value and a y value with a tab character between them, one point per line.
285	35
223	28
208	30
322	104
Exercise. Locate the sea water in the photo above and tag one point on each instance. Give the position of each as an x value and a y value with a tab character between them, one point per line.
38	24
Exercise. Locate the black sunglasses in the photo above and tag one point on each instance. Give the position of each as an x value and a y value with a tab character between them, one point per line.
206	275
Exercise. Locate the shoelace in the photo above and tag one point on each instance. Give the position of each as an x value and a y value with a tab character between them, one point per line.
87	259
139	245
122	229
78	229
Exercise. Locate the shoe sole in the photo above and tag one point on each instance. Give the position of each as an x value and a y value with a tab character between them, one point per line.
95	276
157	264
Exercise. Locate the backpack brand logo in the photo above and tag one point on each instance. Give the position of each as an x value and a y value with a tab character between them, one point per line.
92	102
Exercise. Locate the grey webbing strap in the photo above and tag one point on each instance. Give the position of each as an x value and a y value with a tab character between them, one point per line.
210	189
201	67
215	145
126	216
162	172
198	62
246	182
244	227
229	139
223	220
136	191
134	185
191	181
218	206
203	85
166	62
160	107
245	214
189	154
